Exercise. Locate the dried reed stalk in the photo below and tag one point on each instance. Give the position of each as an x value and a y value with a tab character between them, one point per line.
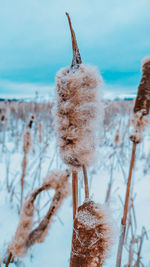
143	234
26	148
86	187
74	192
126	206
9	259
25	236
40	232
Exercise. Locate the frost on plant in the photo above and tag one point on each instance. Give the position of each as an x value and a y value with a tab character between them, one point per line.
24	236
93	235
78	114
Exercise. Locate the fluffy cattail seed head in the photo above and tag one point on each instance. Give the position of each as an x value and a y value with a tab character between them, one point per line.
92	235
78	112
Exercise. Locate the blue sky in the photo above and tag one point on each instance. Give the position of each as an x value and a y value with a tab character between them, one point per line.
35	41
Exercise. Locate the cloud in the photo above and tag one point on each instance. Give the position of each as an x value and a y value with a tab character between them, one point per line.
35	37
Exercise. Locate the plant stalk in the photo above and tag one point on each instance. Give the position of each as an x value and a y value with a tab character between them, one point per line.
9	259
86	187
126	205
74	192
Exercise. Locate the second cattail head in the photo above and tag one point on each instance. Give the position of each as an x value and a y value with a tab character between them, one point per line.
142	103
93	235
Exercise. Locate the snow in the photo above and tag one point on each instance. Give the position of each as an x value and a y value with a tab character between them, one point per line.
55	251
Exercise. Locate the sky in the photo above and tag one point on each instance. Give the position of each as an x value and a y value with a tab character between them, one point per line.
35	42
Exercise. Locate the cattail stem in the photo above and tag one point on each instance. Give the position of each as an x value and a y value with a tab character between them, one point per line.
137	264
24	164
9	259
86	187
126	205
74	192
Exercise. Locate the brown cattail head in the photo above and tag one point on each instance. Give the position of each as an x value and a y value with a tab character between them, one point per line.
92	236
79	111
142	103
27	142
31	122
76	61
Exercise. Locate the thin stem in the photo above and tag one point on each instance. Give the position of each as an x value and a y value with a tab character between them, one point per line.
74	192
86	187
9	259
126	205
24	165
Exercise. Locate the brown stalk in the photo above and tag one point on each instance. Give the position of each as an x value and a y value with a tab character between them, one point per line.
9	259
108	194
126	206
137	264
74	192
76	61
131	251
86	187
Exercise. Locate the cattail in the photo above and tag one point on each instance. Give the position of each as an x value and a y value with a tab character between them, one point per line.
142	104
24	236
117	136
139	124
92	235
78	112
78	105
141	109
40	132
31	122
62	191
27	143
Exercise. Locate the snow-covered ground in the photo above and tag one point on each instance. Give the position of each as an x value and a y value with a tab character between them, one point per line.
112	164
